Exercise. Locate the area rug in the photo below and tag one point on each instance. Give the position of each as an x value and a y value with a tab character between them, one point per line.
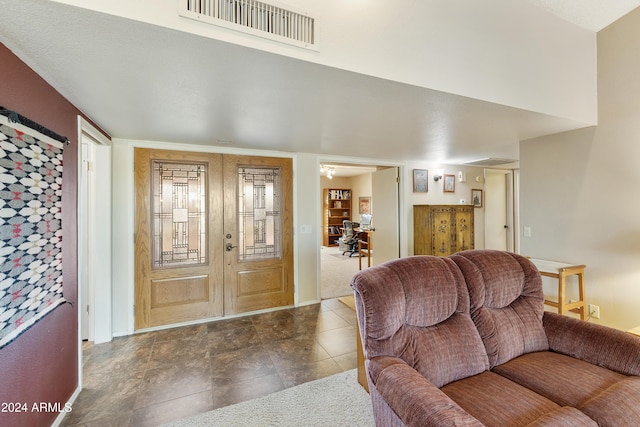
334	401
30	228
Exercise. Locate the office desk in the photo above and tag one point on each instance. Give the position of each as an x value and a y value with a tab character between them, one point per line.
560	271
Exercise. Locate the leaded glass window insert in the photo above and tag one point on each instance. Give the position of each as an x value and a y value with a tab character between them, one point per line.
179	214
259	213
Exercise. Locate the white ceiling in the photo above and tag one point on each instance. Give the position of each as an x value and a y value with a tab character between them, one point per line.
593	15
160	88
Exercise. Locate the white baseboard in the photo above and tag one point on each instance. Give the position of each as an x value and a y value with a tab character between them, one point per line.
69	404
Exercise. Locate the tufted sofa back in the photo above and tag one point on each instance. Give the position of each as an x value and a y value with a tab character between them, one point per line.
506	302
417	309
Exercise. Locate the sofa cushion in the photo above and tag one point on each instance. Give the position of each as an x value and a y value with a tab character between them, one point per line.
406	391
446	352
617	406
417	309
564	417
560	378
496	401
506	302
433	288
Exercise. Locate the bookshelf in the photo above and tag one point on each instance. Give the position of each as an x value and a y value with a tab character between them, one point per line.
337	208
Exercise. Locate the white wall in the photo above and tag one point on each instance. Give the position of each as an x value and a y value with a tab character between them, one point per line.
360	187
307	212
579	189
123	206
513	48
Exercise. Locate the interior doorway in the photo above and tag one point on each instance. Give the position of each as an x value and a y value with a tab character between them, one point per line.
374	190
499	209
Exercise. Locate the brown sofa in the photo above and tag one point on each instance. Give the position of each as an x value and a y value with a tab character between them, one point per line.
465	341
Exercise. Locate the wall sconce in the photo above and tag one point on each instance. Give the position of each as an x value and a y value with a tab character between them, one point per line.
437	178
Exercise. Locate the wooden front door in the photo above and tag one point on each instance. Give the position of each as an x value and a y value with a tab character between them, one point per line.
258	226
197	255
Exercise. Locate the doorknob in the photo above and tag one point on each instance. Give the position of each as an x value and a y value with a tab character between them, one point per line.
228	247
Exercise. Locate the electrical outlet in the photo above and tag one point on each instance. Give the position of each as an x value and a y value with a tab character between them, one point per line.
594	311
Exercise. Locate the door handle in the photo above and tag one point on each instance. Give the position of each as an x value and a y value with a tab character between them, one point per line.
229	247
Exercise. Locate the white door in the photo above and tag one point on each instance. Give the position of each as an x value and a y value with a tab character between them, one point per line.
94	264
498	209
86	263
385	215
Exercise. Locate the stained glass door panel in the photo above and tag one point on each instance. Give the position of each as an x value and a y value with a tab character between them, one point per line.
179	214
259	213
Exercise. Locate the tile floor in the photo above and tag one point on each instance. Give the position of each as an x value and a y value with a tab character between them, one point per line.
157	377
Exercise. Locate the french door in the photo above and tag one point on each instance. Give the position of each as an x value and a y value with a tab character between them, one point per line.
213	235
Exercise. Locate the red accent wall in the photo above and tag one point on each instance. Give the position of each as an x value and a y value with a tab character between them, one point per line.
41	365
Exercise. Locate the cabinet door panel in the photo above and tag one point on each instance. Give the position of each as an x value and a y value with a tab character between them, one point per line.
464	230
441	232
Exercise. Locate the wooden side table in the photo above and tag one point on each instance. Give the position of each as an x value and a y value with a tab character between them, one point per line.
560	271
635	331
365	248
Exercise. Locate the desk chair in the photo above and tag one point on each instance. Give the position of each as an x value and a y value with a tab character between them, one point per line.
348	243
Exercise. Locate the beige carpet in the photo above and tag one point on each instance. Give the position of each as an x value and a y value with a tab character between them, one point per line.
333	401
336	271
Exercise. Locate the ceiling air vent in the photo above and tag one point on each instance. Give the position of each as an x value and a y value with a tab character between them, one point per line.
257	18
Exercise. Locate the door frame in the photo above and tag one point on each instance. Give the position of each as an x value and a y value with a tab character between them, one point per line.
511	192
124	204
97	235
402	222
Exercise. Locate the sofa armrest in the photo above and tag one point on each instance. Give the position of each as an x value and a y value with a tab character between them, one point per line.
596	344
413	398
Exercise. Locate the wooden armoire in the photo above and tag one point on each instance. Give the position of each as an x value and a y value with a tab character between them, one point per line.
442	229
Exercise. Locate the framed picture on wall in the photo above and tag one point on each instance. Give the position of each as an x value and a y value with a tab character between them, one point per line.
420	181
364	204
449	184
476	198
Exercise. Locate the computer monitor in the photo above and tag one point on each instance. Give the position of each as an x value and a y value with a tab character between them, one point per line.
365	221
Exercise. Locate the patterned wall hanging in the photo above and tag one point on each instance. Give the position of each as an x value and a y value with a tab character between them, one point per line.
30	228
